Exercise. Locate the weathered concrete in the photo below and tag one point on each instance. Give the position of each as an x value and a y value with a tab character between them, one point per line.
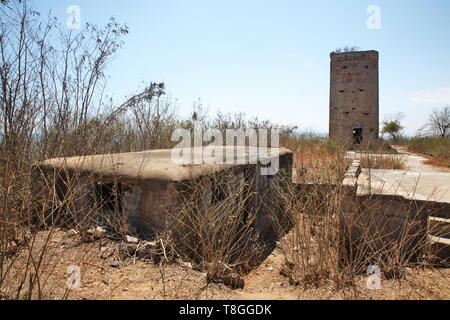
352	174
439	227
377	229
439	238
440	250
158	164
403	210
354	95
418	182
411	184
139	188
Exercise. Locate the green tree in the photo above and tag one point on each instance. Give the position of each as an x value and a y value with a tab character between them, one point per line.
392	126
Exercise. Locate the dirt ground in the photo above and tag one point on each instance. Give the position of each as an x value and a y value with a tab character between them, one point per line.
416	161
105	277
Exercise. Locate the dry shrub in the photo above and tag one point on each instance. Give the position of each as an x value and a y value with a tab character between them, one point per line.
52	114
316	160
335	235
438	149
29	251
379	155
57	110
438	162
387	231
212	226
382	161
310	245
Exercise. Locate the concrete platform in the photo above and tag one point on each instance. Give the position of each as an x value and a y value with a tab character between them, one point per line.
411	184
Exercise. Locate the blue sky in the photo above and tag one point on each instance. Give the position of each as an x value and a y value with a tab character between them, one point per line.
271	58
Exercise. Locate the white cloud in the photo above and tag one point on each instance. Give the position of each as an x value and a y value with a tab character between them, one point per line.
439	96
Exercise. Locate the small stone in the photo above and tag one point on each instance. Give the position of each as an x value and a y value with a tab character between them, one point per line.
270	268
186	264
105	281
130	239
106	252
98	232
114	263
127	249
150	244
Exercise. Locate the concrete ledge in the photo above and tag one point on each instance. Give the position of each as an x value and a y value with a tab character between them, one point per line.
440	249
352	174
439	227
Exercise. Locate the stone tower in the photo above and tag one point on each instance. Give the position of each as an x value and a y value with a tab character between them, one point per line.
354	110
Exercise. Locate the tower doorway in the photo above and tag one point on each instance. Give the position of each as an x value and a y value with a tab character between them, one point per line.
357	135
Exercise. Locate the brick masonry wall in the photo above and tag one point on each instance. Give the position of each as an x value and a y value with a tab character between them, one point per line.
354	95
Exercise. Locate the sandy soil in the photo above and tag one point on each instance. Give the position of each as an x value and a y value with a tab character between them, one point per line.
104	276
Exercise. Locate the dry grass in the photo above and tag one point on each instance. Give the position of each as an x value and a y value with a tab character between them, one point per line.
438	162
212	227
382	161
438	149
317	161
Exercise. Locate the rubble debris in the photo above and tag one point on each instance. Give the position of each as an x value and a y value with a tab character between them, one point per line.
91	235
151	250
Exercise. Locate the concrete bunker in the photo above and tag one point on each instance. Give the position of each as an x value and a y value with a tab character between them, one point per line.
134	191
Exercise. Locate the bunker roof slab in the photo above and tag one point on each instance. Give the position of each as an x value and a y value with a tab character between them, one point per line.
158	164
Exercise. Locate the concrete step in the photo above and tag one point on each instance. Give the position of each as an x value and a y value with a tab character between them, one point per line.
439	227
440	250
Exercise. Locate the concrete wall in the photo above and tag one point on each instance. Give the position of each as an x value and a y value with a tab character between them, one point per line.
354	95
266	202
145	203
377	228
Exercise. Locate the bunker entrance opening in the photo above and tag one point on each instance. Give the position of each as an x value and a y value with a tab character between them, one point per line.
109	196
